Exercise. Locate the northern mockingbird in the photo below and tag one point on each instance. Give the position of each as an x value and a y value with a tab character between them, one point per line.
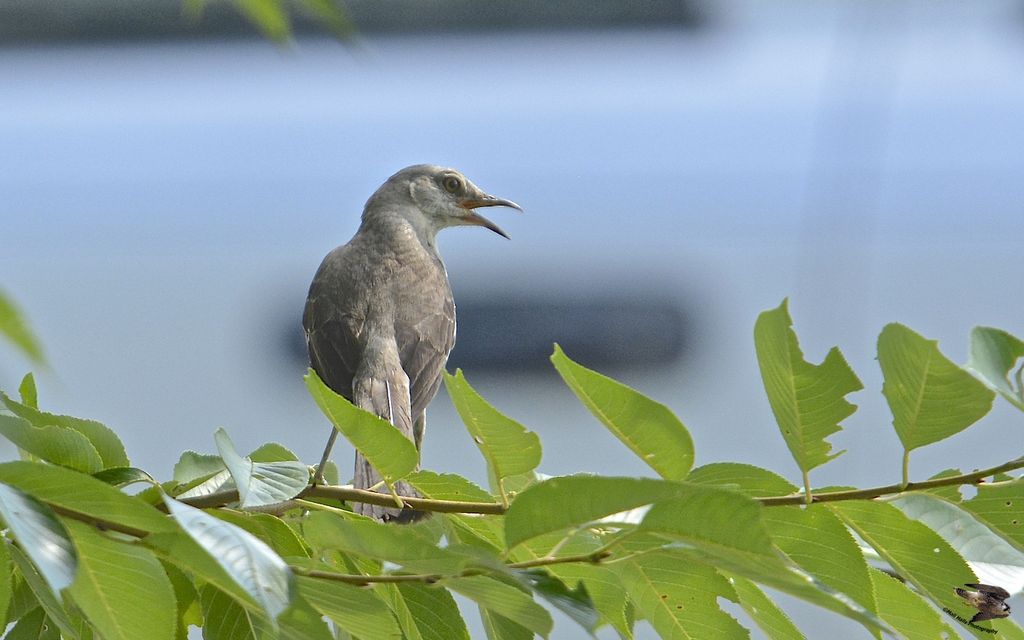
380	318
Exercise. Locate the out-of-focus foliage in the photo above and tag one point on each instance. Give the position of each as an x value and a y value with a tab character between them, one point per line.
245	547
271	17
14	328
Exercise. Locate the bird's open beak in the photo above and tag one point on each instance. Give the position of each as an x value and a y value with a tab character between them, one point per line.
474	218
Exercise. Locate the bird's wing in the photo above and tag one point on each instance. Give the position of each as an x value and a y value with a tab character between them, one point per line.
998	592
989	615
334	353
333	321
424	348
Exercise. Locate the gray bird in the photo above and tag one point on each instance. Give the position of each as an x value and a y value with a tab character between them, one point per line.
987	599
380	318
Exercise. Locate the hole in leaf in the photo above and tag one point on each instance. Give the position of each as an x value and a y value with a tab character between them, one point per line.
679	606
1009	503
664	596
936	549
1014	521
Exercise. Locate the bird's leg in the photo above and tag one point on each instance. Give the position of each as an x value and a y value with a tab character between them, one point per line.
318	477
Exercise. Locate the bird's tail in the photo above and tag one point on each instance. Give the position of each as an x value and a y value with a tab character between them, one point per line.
366	477
387	396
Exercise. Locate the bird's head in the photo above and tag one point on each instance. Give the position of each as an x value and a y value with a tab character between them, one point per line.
443	197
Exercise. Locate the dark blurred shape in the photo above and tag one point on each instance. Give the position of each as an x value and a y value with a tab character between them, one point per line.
35	21
517	335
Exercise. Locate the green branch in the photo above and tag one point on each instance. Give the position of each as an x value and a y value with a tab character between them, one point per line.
891	489
594	557
348	494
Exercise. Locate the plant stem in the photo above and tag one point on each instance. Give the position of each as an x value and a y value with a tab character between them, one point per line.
906	467
349	494
495	508
430	578
866	494
807	487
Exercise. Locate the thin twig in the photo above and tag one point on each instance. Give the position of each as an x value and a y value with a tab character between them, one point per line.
867	494
430	578
349	494
99	523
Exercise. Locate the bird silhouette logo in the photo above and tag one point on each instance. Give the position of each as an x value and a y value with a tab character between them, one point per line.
987	599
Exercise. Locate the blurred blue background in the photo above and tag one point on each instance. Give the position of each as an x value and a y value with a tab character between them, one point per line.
166	198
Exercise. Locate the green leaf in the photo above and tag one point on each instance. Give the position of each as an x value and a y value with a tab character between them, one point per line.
71	625
470	529
264	483
930	397
809	401
907	612
6	583
270	16
393	598
34	626
124	476
27	391
84	494
505	600
718	521
22	598
249	561
434	611
993	559
272	452
331	15
605	590
190	611
225	619
105	441
358	610
915	552
763	611
393	455
42	537
182	552
815	539
121	587
575	602
302	622
569	501
509	448
648	428
499	627
401	545
745	478
994	353
1001	507
14	327
679	600
448	486
192	466
278	535
724	529
59	445
220	481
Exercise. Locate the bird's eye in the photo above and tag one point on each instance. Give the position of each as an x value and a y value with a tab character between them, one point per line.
452	184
